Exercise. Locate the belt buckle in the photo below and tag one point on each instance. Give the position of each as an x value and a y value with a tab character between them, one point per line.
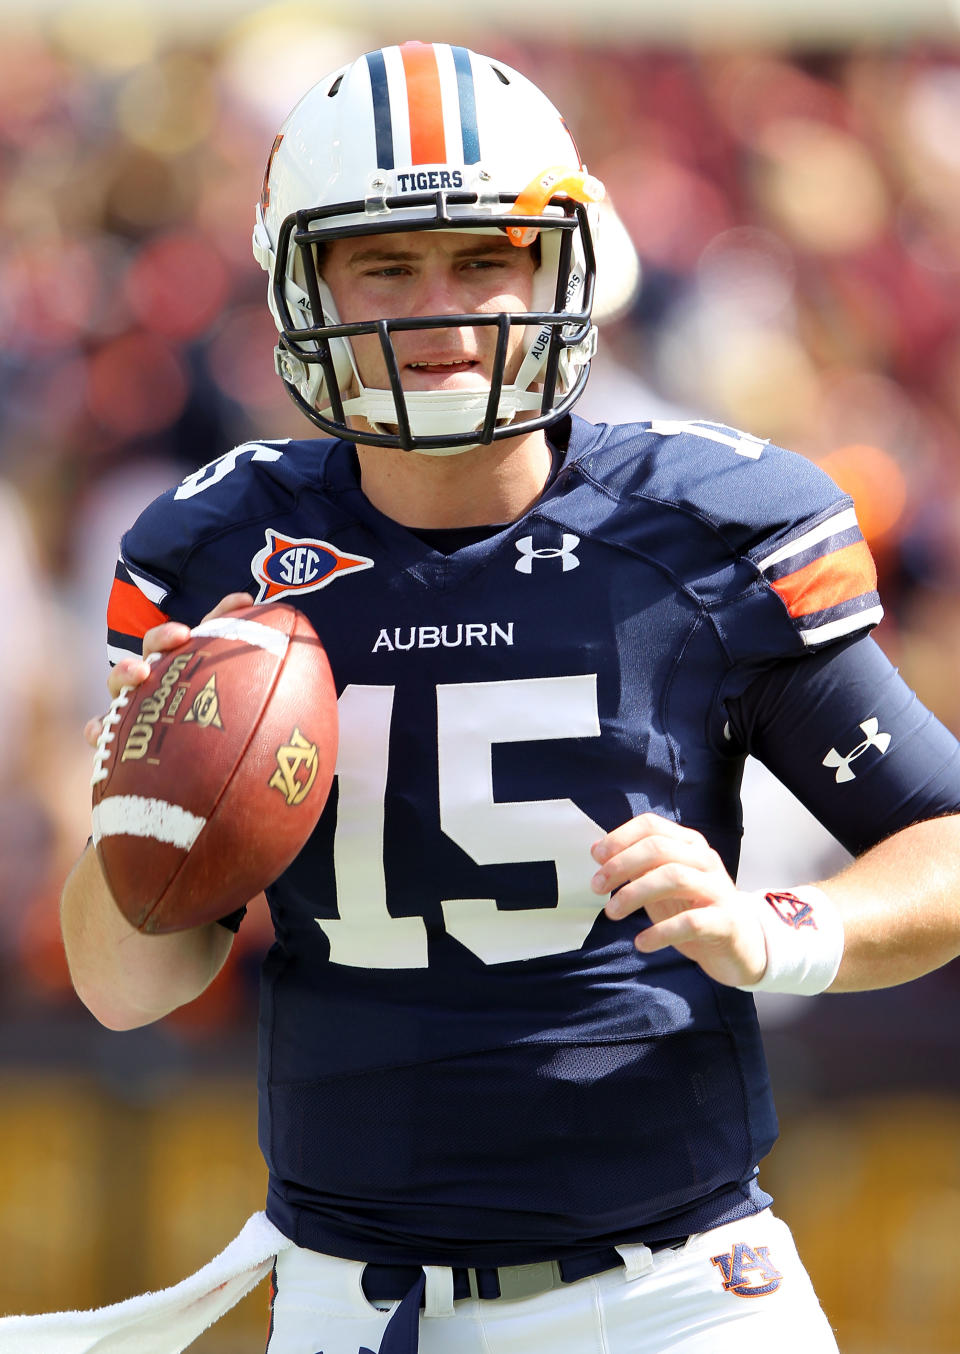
526	1281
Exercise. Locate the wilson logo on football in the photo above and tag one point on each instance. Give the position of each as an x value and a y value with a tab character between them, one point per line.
296	768
153	708
288	565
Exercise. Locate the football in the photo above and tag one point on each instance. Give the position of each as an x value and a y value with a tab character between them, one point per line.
210	776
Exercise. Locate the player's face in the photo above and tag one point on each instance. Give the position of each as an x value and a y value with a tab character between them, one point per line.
431	273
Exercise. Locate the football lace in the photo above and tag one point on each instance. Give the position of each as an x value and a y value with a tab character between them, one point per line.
107	734
110	720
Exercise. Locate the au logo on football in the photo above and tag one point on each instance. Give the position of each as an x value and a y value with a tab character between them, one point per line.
296	768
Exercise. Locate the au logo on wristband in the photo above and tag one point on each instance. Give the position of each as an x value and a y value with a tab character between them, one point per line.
791	910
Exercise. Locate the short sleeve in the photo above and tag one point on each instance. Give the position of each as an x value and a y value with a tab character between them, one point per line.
765	539
824	575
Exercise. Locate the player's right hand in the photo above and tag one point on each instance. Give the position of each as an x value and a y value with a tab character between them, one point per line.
655	865
133	671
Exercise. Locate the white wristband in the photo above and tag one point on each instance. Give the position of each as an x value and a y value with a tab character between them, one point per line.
803	930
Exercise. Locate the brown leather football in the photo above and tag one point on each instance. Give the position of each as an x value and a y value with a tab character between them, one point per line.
210	776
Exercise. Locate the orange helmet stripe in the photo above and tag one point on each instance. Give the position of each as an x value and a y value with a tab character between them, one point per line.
427	141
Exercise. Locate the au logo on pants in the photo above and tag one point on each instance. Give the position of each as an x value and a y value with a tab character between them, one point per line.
747	1271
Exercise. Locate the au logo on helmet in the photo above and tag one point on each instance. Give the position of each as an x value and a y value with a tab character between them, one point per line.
288	565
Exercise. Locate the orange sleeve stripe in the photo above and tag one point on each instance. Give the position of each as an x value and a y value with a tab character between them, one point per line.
826	582
428	144
129	612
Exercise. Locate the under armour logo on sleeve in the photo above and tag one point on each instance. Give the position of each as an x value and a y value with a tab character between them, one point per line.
874	739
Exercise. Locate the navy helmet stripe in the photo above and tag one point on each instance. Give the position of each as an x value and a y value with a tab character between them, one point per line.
468	105
382	118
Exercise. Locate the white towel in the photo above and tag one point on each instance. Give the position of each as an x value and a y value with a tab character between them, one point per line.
154	1323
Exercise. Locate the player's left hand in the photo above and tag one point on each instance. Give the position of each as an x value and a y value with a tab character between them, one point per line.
134	671
675	876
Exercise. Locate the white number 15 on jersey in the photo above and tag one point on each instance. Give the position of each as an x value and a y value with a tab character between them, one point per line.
471	717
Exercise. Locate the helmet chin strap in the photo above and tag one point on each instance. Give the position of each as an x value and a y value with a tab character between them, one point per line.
435	412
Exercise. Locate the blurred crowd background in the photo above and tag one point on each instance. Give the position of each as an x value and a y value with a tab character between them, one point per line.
795	210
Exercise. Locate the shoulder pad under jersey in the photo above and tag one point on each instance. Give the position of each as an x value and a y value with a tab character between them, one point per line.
772	509
150	583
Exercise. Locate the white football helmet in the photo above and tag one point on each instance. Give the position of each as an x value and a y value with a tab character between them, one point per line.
428	137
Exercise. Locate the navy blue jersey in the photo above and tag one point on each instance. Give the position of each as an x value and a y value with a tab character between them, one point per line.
463	1060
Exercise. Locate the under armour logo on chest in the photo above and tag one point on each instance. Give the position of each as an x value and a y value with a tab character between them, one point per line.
564	554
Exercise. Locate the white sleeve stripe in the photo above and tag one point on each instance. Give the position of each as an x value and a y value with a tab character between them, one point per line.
115	653
137	816
841	521
821	634
245	632
152	591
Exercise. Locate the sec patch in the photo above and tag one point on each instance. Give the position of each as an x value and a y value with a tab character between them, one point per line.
289	565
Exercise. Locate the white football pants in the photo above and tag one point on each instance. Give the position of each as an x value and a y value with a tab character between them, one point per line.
738	1289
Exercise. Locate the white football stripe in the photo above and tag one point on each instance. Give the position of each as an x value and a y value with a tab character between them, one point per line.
247	632
137	816
841	521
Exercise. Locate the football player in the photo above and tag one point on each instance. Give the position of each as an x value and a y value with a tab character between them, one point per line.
513	1095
